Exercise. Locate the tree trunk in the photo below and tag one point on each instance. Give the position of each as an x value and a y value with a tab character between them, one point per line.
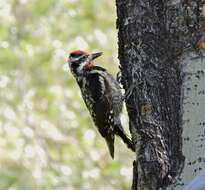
162	70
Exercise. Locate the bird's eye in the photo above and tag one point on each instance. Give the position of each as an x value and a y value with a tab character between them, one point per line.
77	60
82	58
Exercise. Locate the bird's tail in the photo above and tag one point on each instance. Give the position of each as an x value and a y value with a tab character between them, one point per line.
120	132
110	143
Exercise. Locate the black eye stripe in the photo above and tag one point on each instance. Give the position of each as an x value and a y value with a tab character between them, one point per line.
77	62
78	59
82	58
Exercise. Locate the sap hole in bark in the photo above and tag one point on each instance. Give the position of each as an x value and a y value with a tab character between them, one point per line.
146	109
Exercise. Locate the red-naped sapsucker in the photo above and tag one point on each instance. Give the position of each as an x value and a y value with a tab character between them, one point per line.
102	96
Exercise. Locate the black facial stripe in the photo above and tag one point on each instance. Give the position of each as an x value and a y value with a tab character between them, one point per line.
78	60
80	57
74	55
75	64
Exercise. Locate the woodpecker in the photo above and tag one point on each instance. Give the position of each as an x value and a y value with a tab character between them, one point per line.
102	96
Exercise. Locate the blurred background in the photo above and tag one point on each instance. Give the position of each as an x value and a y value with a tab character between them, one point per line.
47	138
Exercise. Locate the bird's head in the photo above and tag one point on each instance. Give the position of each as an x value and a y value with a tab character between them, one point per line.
81	61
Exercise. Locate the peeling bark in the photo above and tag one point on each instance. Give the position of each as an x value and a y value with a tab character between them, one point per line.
153	37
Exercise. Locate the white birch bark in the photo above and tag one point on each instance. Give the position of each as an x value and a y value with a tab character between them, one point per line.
193	122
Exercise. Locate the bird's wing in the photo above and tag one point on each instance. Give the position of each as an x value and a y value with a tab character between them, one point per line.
96	85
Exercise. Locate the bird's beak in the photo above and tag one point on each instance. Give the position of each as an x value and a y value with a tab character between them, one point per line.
95	55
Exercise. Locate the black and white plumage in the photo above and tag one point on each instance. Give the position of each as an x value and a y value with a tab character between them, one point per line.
102	96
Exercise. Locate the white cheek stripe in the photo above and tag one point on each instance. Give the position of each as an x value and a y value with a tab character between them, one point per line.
81	66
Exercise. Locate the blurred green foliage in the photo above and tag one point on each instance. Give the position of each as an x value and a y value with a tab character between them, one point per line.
47	139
